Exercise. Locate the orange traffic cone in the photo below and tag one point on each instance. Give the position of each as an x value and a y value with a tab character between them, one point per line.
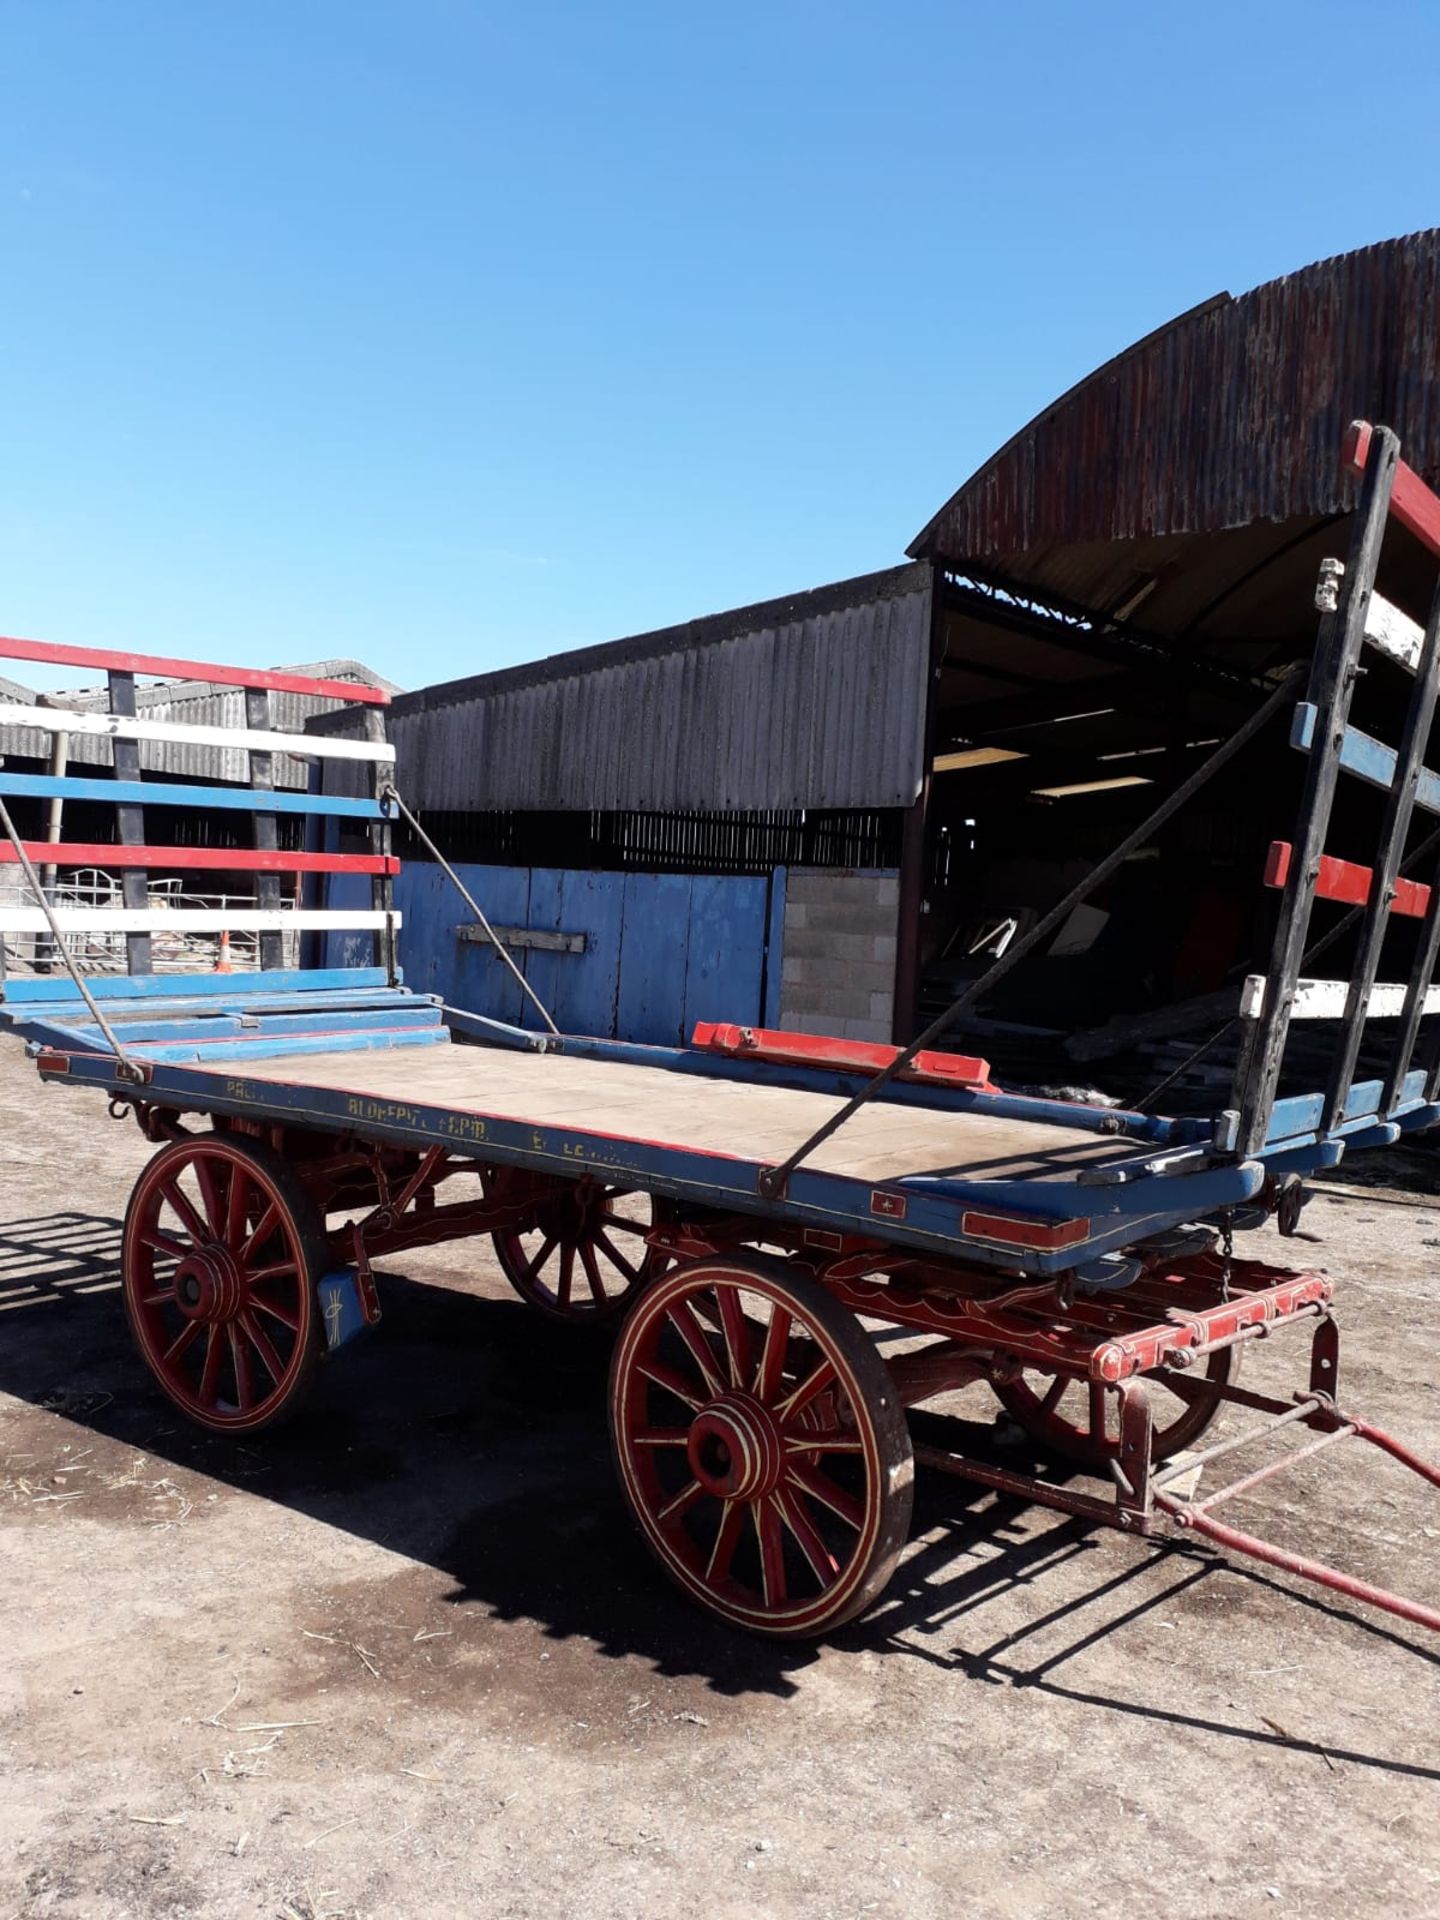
222	959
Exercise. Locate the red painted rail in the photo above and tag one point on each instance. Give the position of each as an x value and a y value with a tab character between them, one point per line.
1346	881
844	1056
109	660
1412	502
79	853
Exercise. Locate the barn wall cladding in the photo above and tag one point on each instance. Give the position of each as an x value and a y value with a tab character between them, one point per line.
817	700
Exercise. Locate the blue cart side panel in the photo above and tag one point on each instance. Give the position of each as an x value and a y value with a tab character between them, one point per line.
924	1213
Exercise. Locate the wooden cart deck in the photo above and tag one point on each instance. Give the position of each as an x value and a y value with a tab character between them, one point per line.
657	1104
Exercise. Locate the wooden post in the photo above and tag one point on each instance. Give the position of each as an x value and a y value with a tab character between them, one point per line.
130	822
262	779
914	848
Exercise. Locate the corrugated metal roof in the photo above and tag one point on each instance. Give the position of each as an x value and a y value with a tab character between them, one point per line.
1192	462
816	700
196	703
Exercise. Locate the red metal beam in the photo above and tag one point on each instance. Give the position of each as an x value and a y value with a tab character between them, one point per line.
52	653
1347	882
80	853
1412	502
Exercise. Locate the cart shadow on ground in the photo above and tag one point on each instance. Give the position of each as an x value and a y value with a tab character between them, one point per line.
468	1435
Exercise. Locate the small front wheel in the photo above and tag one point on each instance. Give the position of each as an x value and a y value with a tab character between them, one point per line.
221	1254
761	1445
586	1253
1073	1418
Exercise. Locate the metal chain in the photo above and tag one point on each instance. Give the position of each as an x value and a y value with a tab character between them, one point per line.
1227	1250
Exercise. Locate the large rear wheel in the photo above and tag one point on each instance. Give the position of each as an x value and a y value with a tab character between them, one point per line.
222	1251
761	1445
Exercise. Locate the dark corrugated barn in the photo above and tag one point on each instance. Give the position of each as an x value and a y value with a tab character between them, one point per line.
710	819
913	759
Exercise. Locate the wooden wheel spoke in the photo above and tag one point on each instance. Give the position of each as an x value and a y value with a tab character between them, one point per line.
209	1193
592	1272
181	1205
671	1381
771	1367
814	1383
693	1334
681	1502
158	1297
822	1488
210	1372
161	1242
737	1334
827	1440
661	1437
620	1223
282	1314
237	1202
806	1534
260	1233
183	1340
547	1247
727	1537
772	1552
264	1346
613	1254
275	1271
565	1284
240	1361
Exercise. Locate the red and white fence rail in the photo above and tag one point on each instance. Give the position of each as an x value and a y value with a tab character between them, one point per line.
136	857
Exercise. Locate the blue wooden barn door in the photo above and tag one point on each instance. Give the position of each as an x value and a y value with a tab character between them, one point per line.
661	950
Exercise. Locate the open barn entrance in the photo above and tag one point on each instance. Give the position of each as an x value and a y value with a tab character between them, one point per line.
1053	735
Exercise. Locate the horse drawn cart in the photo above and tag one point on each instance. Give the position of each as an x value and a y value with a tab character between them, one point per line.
751	1209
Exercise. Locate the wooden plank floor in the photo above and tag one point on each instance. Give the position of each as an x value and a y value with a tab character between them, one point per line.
709	1116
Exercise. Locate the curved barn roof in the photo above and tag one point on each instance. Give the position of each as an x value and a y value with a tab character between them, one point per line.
1189	486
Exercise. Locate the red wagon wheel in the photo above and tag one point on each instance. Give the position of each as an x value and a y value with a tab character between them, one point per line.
222	1251
761	1445
1076	1419
585	1256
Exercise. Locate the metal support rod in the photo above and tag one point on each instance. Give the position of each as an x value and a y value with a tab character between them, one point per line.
390	794
1305	1409
1268	1472
772	1179
128	1068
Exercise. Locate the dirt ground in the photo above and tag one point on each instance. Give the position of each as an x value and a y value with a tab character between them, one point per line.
408	1657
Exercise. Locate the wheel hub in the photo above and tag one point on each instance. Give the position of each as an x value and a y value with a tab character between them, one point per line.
208	1286
735	1448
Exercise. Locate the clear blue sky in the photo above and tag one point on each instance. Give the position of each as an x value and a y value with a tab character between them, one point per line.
446	334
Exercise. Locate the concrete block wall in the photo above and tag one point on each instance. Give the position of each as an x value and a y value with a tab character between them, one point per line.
838	953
